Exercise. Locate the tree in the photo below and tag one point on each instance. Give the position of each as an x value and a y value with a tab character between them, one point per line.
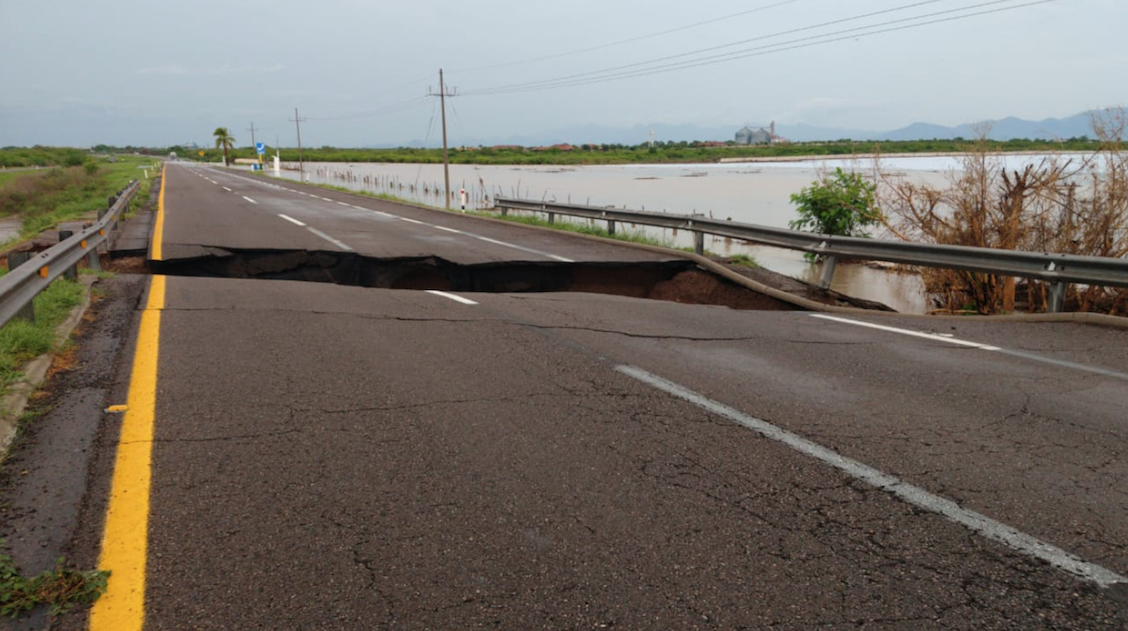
842	204
224	140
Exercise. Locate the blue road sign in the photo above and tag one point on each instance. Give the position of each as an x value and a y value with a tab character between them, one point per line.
260	147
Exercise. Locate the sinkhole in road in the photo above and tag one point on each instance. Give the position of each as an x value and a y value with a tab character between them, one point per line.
673	280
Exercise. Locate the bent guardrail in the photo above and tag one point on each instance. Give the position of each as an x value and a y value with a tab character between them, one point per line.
23	283
1055	269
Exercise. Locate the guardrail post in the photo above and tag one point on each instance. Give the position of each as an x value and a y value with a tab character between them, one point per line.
504	210
1057	297
830	263
610	227
16	259
551	218
70	273
699	243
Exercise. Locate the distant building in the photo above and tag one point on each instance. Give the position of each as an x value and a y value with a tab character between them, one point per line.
749	136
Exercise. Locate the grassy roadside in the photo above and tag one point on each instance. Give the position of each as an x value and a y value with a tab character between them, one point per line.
21	341
43	199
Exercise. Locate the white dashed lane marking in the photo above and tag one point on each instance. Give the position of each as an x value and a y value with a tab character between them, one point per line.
329	239
915	495
454	297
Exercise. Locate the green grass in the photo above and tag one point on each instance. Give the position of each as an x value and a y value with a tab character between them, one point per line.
46	198
629	234
8	176
744	260
22	341
60	589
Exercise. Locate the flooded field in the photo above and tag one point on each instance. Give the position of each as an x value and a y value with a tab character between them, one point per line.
757	193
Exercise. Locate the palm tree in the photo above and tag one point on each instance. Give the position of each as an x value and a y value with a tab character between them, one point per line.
224	140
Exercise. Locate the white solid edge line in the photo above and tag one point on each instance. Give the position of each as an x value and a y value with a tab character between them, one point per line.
445	229
560	258
890	329
329	238
976	522
454	297
249	199
292	220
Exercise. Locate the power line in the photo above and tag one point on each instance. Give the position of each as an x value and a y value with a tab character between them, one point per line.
825	38
589	49
719	47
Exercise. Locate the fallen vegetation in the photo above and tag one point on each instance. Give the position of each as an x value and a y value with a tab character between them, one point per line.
1058	204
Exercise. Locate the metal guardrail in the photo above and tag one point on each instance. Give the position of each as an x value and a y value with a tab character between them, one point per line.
1056	269
21	285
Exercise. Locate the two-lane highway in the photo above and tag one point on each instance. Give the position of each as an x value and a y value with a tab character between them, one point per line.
312	456
213	209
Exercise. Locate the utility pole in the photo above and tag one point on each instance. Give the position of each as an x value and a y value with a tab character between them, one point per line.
254	145
297	120
443	94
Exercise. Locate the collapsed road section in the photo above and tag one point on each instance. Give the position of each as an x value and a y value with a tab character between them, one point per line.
673	280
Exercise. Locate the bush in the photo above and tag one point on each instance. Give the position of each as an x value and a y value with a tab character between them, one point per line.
842	205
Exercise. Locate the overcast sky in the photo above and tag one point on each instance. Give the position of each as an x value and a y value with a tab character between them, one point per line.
76	72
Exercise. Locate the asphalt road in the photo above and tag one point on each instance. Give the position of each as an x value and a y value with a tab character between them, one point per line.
214	209
328	457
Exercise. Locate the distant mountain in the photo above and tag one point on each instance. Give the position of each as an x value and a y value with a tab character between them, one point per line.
1002	129
1005	129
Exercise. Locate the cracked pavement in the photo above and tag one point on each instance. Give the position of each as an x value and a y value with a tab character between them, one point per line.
402	461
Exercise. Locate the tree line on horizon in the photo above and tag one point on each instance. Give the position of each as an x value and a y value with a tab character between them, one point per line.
566	154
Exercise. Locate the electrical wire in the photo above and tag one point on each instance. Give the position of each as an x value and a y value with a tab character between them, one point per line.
700	51
639	38
816	40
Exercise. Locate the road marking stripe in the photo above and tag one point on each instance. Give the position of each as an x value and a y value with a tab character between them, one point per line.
227	189
250	200
994	349
454	297
329	239
521	248
494	241
125	540
380	212
927	336
157	253
344	204
976	522
445	229
325	198
292	220
413	221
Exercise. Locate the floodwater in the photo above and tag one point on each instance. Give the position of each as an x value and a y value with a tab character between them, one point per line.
757	193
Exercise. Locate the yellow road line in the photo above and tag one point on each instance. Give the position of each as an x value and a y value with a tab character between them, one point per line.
125	541
158	225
